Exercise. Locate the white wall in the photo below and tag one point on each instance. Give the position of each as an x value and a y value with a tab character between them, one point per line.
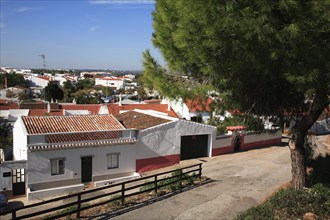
222	141
36	81
110	82
250	138
39	169
165	139
20	140
180	108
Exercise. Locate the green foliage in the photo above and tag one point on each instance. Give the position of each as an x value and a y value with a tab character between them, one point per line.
53	92
13	79
169	84
6	134
264	57
84	84
293	204
251	122
87	96
257	53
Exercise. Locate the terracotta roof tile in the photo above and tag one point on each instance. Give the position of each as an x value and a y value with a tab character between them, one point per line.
70	124
139	121
198	105
88	136
115	108
7	106
44	112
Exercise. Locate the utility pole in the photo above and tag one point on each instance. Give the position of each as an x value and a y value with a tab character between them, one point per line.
43	57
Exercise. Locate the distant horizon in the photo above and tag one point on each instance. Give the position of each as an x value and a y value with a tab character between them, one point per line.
79	69
92	34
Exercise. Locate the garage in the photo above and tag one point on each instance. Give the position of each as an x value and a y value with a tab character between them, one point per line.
194	146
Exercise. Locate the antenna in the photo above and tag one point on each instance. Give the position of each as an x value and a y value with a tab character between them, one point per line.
43	57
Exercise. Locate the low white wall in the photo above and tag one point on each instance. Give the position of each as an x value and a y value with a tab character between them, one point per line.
250	138
222	141
60	191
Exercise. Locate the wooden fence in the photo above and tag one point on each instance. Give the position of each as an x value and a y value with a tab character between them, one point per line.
121	191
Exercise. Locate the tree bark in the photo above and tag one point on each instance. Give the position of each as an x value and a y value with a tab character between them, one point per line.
298	162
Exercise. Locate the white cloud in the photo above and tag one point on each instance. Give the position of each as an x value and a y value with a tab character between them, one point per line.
94	28
122	2
24	9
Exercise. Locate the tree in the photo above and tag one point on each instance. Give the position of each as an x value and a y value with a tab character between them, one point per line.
6	134
53	92
13	79
266	57
10	94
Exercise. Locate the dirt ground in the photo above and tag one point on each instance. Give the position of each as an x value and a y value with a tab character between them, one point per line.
240	181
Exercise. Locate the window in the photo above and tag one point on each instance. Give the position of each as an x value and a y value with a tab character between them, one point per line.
113	160
57	166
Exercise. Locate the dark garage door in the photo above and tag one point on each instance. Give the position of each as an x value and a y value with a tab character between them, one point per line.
193	146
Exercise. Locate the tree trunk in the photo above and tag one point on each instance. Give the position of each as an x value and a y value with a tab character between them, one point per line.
298	161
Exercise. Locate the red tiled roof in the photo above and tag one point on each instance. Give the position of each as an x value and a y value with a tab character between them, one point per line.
45	78
89	136
8	106
198	105
38	105
115	108
235	128
76	123
139	121
153	101
93	108
44	112
2	101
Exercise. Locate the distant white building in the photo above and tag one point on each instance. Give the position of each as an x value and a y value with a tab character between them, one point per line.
112	82
42	81
61	78
192	110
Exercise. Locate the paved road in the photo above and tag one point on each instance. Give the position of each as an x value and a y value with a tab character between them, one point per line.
241	180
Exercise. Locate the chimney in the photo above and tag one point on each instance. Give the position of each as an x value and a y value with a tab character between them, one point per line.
6	82
48	107
120	104
168	105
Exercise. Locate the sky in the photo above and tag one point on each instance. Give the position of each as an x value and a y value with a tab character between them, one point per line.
76	34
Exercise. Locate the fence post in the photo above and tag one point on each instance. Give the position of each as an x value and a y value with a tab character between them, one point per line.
78	205
180	179
122	193
156	184
200	171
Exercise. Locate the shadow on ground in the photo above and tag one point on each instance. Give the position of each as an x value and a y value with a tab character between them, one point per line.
320	170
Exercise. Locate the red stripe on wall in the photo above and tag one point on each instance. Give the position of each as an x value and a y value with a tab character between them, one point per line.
257	144
222	150
143	165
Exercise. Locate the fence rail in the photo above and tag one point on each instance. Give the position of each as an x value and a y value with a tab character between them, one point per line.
80	204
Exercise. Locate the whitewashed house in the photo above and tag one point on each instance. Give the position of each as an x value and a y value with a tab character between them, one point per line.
193	110
64	152
165	140
112	82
